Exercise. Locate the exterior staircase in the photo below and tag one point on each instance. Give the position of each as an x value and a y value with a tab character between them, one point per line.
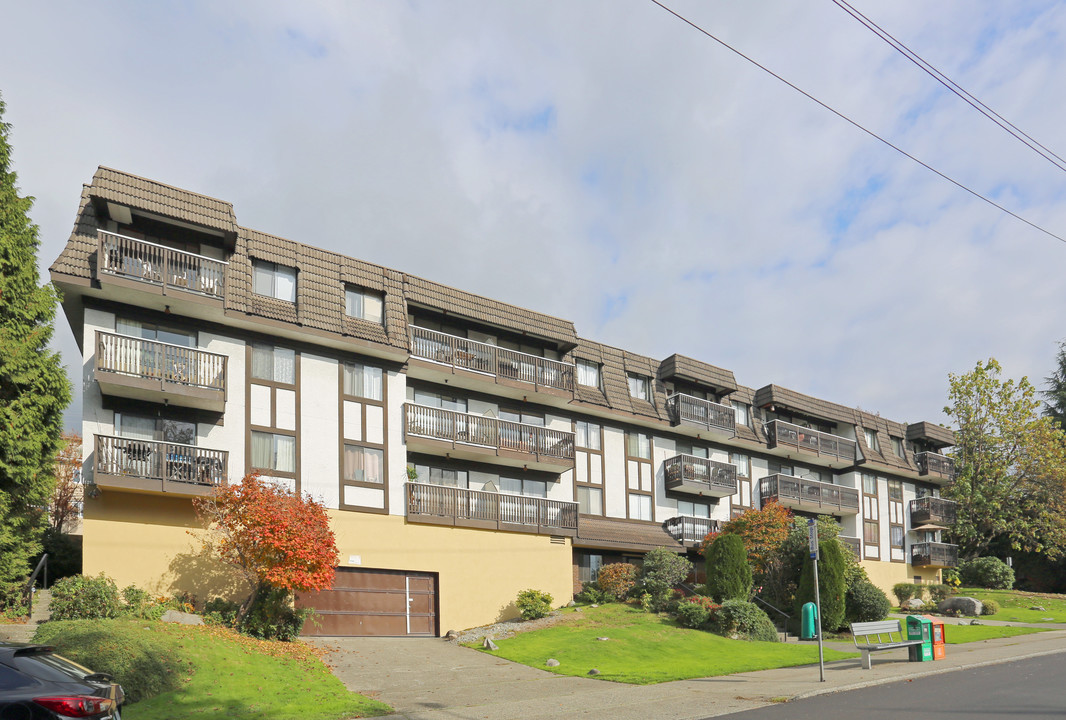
23	632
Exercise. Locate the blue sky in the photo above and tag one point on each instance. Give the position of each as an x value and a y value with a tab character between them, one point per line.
602	162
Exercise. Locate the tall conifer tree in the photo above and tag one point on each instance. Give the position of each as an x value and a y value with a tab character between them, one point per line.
34	389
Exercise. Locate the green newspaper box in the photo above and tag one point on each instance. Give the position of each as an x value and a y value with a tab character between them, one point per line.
920	628
809	622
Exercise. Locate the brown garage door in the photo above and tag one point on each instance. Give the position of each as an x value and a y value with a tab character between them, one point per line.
374	602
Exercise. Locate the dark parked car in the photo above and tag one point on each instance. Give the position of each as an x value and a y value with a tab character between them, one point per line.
37	684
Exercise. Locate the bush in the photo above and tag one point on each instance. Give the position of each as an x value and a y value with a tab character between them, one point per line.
534	604
989	607
662	570
865	602
141	604
951	578
12	602
142	661
616	580
64	553
590	594
272	616
939	592
697	612
744	619
220	611
728	572
905	591
986	572
832	567
79	597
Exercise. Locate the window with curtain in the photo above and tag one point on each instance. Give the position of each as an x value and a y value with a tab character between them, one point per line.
589	500
869	484
639	386
275	364
437	400
742	462
638	445
155	331
895	533
686	448
519	486
273	452
895	490
741	412
362	381
693	509
362	464
588	373
364	304
587	435
273	280
640	507
439	476
897	447
870	532
871	439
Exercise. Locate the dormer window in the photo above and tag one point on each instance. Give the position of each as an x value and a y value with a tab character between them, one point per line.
273	280
639	386
364	304
588	373
871	439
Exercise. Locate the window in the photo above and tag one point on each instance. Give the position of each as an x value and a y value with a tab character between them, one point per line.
871	439
870	532
273	280
741	411
693	509
589	500
588	566
364	304
153	331
638	445
588	373
519	486
687	448
895	533
522	416
639	386
142	427
273	452
362	381
742	462
869	484
640	507
778	468
274	364
587	435
897	446
439	476
437	400
895	490
363	464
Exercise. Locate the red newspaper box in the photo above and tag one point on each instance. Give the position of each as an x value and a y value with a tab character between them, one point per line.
938	637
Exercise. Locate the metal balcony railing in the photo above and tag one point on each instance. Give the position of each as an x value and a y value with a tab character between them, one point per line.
696	474
491	360
477	508
149	262
160	361
690	530
932	554
931	463
691	410
811	495
155	460
932	510
470	429
834	447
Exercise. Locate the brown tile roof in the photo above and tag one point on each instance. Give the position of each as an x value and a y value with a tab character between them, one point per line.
886	430
803	404
754	433
615	365
79	254
491	312
937	435
686	368
610	533
155	197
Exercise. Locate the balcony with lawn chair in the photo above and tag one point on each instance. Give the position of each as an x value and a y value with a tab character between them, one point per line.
702	414
934	555
700	476
144	266
460	507
151	466
811	496
935	467
814	445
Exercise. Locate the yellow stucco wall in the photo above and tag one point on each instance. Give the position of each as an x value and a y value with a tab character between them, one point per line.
886	574
149	541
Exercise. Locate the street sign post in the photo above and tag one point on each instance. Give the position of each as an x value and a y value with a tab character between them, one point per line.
812	539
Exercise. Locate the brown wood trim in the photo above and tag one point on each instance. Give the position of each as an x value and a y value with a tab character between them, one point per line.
342	441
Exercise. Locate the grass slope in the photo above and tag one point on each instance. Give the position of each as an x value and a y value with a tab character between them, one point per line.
644	648
959	634
1014	605
216	673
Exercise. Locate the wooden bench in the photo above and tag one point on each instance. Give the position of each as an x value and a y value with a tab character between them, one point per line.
880	635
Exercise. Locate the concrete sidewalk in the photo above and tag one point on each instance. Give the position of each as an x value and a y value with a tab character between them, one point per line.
432	679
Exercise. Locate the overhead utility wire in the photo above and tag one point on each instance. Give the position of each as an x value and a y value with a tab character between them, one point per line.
951	85
869	132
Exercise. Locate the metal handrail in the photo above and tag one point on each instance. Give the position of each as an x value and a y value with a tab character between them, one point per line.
784	614
682	406
164	247
27	592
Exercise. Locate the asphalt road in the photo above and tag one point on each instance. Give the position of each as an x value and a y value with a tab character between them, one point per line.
1033	689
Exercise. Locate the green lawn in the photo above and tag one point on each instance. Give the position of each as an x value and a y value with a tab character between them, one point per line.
958	634
1014	605
644	648
217	673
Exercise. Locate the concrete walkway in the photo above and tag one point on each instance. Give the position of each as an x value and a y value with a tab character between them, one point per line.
432	679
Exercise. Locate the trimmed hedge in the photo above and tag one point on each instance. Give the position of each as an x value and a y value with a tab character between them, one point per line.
986	572
80	597
865	602
728	571
744	619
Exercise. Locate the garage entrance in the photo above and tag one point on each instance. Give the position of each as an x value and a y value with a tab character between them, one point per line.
364	603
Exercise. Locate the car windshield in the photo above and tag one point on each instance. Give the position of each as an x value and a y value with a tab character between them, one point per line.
45	665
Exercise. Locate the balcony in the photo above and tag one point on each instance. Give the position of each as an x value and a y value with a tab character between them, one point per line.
160	372
157	467
703	414
935	465
502	366
934	555
852	544
932	511
700	476
832	449
166	270
476	437
459	507
690	531
810	496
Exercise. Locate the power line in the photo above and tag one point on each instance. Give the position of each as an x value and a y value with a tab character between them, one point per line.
951	85
854	123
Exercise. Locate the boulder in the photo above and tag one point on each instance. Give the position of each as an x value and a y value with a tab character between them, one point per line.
914	604
552	662
961	604
451	635
594	671
182	618
489	645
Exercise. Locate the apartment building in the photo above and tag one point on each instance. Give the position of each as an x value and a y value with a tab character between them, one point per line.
466	449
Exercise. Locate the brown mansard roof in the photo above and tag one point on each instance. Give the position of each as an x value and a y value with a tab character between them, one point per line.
631	535
686	368
938	435
803	404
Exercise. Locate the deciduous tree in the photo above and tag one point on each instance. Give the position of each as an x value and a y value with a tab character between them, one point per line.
762	531
1010	466
34	388
275	538
64	508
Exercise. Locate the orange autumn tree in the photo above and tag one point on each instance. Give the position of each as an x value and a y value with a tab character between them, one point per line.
274	537
763	532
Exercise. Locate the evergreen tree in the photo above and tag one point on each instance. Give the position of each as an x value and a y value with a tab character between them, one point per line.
832	584
728	572
1055	395
34	389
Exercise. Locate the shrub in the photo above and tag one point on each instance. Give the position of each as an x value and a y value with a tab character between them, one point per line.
220	611
12	602
951	578
79	597
744	619
938	592
64	553
905	591
616	580
728	572
697	611
272	616
832	567
865	602
989	607
143	662
534	604
987	572
662	570
141	604
590	594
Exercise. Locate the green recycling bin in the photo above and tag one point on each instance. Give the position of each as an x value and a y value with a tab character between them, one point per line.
920	628
809	622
